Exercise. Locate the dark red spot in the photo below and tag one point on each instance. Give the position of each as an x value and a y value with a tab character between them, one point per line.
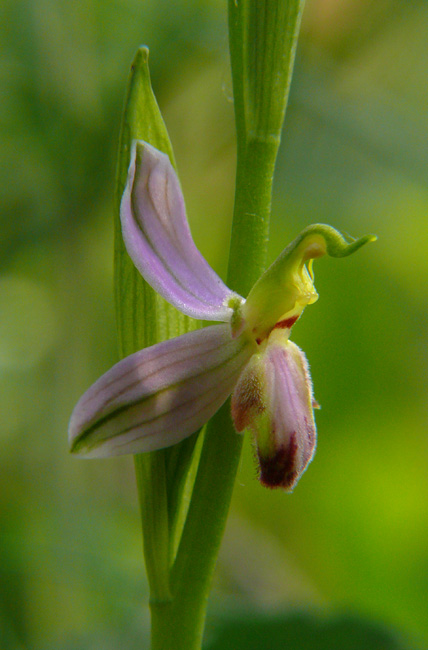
258	341
287	323
280	470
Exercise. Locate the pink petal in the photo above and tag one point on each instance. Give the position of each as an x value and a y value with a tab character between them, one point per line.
160	395
158	239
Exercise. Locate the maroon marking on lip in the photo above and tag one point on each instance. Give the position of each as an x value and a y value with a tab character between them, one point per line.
287	323
280	469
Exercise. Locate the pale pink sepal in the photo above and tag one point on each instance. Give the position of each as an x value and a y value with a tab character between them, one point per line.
160	395
158	239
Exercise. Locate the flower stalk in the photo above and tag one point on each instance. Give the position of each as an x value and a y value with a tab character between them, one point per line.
257	148
172	379
180	585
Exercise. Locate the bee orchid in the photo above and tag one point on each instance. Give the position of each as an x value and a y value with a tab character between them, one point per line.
158	396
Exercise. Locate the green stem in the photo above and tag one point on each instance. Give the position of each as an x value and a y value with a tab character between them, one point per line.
250	229
179	623
261	79
263	35
150	471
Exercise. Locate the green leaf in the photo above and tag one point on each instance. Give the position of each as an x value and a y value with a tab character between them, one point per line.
143	319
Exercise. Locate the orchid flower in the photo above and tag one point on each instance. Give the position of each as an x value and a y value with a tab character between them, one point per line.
162	394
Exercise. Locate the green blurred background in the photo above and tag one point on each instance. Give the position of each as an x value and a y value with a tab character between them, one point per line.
352	540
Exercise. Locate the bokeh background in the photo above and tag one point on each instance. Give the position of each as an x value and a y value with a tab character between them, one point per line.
350	544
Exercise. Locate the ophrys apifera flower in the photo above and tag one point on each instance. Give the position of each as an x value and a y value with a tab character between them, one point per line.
162	394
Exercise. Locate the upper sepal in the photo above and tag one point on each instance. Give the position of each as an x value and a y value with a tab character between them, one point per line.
284	290
157	237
